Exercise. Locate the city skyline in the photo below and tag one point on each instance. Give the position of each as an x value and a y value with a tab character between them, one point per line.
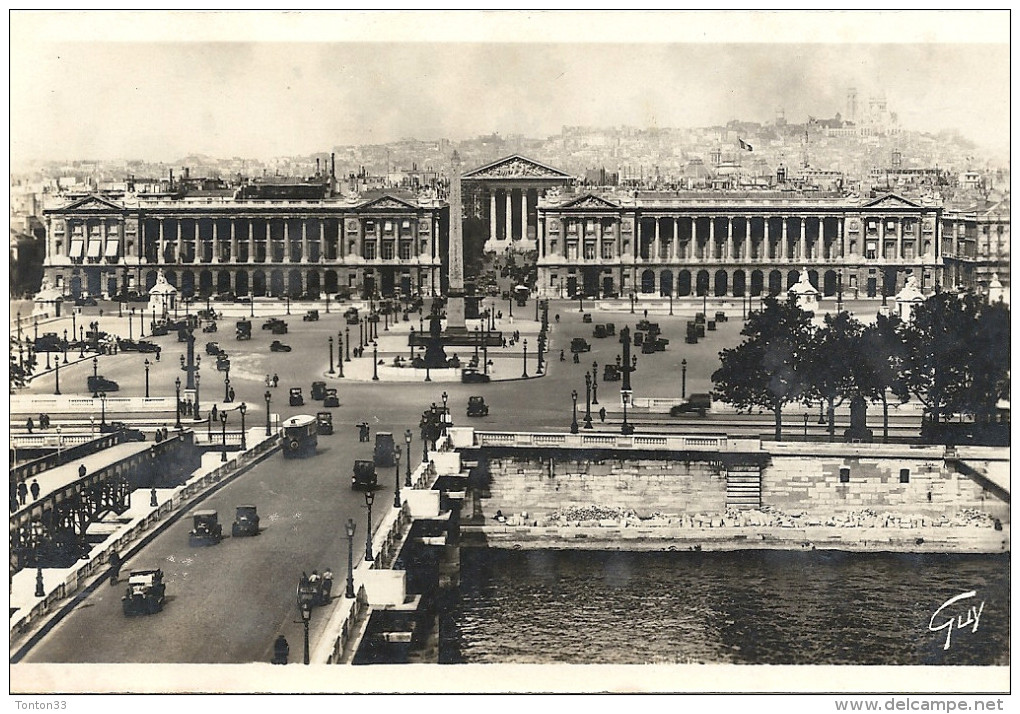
158	100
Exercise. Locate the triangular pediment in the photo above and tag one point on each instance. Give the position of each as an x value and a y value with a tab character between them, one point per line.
891	200
590	201
387	203
93	203
516	167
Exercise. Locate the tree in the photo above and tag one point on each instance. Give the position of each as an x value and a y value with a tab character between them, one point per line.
766	370
831	367
878	360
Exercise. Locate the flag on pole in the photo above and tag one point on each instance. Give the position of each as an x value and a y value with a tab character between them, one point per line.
744	145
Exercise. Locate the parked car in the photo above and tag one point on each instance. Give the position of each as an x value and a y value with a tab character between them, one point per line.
477	407
310	316
364	477
48	342
296	398
146	592
277	346
246	522
647	347
158	329
470	375
579	344
699	403
331	399
268	324
318	391
101	384
209	327
324	423
206	529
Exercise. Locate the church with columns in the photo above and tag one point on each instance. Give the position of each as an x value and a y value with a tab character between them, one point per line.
600	243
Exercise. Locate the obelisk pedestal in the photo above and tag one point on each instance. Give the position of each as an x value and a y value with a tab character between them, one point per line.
455	320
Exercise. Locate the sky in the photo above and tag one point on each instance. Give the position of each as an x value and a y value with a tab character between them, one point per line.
158	86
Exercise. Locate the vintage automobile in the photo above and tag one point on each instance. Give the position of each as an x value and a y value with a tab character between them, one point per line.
318	391
222	362
661	343
470	375
639	339
579	344
213	348
246	522
158	329
296	397
600	332
351	315
300	437
611	373
224	297
49	342
206	529
324	423
146	346
130	433
243	329
85	301
364	477
146	592
647	347
209	327
280	328
477	407
331	399
314	590
720	316
610	328
385	449
101	384
699	403
586	317
310	316
268	324
277	346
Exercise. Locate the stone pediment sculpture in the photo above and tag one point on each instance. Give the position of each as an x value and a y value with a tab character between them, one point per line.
891	200
93	203
590	201
386	203
516	167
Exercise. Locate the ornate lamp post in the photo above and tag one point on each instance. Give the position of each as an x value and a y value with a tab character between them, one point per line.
477	337
177	385
839	290
625	395
407	441
65	346
573	423
268	398
102	412
306	617
331	370
223	421
683	378
632	299
244	438
369	497
56	361
446	398
524	374
147	364
410	341
375	361
197	413
350	528
340	353
347	350
587	401
48	359
396	476
288	303
595	382
81	342
361	332
131	322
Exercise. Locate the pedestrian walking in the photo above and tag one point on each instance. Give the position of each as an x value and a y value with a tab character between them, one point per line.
602	414
82	471
30	425
35	490
363	431
563	357
115	564
213	412
230	394
269	380
276	380
22	492
14	496
281	650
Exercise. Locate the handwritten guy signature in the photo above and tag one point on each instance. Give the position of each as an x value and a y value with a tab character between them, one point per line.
950	622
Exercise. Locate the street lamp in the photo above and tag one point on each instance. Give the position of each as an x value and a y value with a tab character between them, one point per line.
288	303
351	527
223	421
244	439
683	378
340	353
56	361
306	617
177	385
131	322
839	290
102	413
196	414
331	370
396	476
369	497
375	361
445	398
226	385
632	299
81	342
361	332
525	373
347	350
627	428
595	382
65	346
407	441
573	423
268	397
587	401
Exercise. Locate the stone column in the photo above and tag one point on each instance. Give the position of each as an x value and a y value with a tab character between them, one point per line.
747	238
455	303
676	239
160	242
881	237
509	218
730	246
656	243
784	253
803	239
492	214
899	239
286	240
841	248
304	240
524	213
694	233
711	237
233	241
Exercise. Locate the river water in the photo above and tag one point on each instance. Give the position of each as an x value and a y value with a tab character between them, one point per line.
754	607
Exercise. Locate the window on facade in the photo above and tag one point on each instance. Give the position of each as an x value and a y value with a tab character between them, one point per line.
405	250
904	475
388	226
607	249
406	224
589	250
369	250
844	475
572	251
387	250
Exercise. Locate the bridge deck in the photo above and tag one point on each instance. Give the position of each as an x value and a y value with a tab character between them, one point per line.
57	478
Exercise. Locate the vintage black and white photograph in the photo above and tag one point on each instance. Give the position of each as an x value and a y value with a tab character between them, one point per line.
510	352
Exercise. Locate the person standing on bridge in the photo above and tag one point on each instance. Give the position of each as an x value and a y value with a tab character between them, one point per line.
22	492
14	496
35	490
30	425
115	564
602	414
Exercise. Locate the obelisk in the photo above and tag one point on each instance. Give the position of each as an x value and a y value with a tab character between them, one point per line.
455	294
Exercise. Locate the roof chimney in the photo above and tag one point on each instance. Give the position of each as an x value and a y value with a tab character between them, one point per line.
316	166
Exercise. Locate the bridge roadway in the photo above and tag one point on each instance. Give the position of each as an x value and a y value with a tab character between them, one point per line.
227	603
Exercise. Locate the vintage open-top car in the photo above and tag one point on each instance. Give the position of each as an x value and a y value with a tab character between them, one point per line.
351	315
324	423
246	522
146	592
310	316
471	375
277	346
206	528
296	397
586	318
477	407
364	477
331	399
314	590
101	384
699	403
213	348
